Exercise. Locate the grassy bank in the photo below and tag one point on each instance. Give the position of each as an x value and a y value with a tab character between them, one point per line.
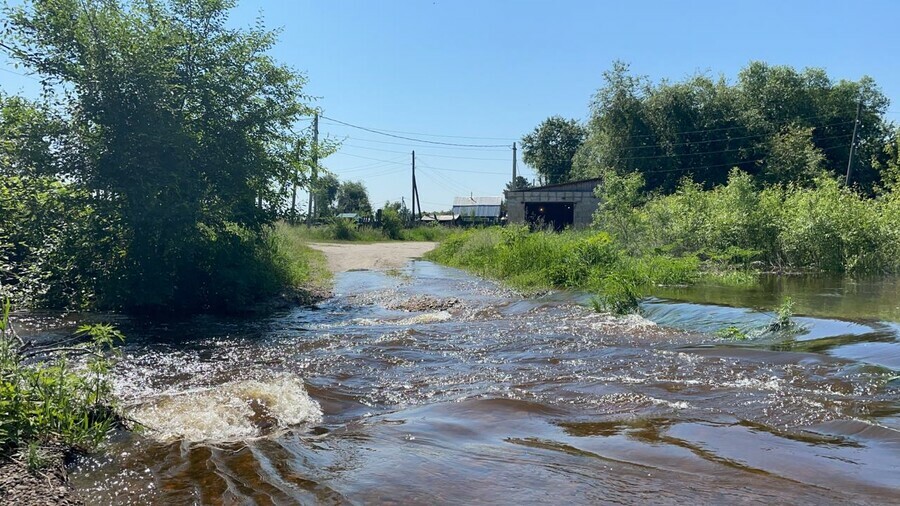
582	260
343	230
301	267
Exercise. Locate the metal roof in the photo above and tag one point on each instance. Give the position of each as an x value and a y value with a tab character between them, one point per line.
476	201
348	216
558	186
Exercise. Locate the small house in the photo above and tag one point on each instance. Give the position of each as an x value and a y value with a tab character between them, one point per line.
477	210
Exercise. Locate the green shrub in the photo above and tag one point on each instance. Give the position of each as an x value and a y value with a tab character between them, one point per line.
425	233
343	230
822	226
51	400
391	224
617	296
733	333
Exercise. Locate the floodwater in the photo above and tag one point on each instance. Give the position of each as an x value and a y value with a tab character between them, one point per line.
501	399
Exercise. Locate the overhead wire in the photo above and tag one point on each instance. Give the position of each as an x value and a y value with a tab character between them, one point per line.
428	146
26	76
428	154
701	167
425	141
382	130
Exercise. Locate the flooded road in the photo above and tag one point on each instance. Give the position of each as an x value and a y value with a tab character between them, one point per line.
487	397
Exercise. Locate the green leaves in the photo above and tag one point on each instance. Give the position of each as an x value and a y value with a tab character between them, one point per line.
551	147
52	400
171	122
782	124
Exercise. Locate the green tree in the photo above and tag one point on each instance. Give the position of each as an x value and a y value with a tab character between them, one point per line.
550	148
620	196
521	184
794	158
180	120
325	191
352	197
702	127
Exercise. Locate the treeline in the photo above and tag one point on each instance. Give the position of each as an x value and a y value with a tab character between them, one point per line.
776	123
148	176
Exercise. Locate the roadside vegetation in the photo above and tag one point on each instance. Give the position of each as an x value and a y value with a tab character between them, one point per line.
145	183
54	396
590	261
709	181
345	230
823	227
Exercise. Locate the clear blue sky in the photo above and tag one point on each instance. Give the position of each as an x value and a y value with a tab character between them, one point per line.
492	70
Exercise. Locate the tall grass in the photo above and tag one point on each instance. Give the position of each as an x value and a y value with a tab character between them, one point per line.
345	230
299	266
583	260
825	227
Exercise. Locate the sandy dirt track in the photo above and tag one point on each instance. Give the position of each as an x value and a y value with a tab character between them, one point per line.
377	256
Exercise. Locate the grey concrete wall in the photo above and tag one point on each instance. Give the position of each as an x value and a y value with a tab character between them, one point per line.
585	204
515	210
584	211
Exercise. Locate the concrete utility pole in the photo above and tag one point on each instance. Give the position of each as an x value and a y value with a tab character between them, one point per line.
853	140
514	167
412	207
315	169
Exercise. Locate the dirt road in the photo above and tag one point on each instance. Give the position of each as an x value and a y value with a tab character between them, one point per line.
377	256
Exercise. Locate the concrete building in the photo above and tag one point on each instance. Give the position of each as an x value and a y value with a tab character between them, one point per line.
477	210
561	205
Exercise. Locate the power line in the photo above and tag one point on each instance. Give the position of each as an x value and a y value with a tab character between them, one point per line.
26	76
428	146
733	164
380	130
724	139
369	166
447	184
370	158
702	153
428	154
414	139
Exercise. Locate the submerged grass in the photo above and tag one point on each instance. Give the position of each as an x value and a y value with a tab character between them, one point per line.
583	260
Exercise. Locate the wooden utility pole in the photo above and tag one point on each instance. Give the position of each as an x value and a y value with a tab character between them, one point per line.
853	141
315	169
294	192
514	167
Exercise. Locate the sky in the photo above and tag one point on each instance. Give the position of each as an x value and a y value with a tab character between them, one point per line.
484	73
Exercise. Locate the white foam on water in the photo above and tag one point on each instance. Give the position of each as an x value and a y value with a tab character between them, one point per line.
231	411
630	321
434	317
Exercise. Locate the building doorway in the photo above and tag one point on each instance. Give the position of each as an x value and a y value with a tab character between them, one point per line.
555	215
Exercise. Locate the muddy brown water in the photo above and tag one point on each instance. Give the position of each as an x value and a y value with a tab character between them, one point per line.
504	400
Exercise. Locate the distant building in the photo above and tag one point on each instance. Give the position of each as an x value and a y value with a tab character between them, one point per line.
477	210
558	206
441	219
